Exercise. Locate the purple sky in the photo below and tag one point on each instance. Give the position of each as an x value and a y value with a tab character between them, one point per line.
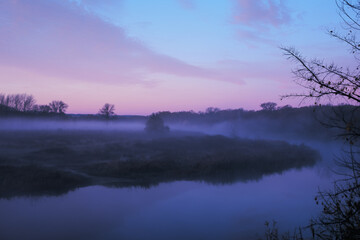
147	56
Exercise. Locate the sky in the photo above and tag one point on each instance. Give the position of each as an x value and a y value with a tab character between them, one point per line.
161	55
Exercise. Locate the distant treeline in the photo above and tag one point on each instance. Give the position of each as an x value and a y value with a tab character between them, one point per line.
24	104
269	121
310	121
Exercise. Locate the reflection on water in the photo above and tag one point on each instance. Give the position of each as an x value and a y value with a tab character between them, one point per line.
211	159
32	180
177	210
171	210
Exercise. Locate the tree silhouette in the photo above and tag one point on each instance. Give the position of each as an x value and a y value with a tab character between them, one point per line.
340	218
28	103
268	106
321	79
107	110
41	108
210	110
19	102
58	107
155	124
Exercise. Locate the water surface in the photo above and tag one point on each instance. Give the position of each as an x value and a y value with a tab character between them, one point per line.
175	210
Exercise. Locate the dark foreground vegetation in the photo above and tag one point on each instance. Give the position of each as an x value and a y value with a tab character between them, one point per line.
322	80
54	162
34	180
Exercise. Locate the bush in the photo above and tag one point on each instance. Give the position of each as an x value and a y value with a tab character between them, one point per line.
155	124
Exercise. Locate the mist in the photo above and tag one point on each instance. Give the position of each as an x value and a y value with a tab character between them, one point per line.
34	124
56	155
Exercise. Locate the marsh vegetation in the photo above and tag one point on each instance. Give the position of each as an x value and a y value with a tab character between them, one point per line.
55	161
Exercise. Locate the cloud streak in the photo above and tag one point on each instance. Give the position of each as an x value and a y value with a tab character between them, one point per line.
261	13
257	21
187	4
59	38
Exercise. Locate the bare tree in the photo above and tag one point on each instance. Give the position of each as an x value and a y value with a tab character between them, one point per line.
41	108
322	79
28	103
58	107
19	102
44	108
2	99
210	110
268	106
25	103
340	218
333	82
107	110
15	101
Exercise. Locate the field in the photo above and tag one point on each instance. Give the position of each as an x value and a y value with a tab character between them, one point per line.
53	162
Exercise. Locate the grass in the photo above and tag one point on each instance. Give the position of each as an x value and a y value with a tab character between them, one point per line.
54	162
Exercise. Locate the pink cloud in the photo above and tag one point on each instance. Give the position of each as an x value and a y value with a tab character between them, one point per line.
187	4
261	12
58	38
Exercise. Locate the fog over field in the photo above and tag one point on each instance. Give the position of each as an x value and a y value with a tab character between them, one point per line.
46	124
57	155
44	157
179	119
254	125
136	150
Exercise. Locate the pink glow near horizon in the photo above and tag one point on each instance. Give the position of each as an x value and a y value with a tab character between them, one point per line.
62	50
